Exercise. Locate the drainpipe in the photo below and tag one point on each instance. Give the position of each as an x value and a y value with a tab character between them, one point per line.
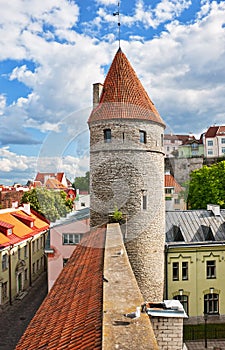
10	276
166	271
30	262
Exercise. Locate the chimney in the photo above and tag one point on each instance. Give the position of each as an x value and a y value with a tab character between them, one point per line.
214	208
26	208
15	205
97	91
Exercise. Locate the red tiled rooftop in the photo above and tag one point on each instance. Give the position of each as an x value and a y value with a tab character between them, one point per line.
171	182
211	132
123	95
182	138
23	217
71	315
19	221
40	177
221	130
6	224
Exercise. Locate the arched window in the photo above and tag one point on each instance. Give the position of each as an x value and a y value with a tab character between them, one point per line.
183	300
107	135
211	303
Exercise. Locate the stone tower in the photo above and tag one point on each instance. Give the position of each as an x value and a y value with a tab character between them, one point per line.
127	170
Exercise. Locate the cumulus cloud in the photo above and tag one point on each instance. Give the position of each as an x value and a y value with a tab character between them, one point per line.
106	2
10	161
146	15
183	70
2	104
26	167
58	58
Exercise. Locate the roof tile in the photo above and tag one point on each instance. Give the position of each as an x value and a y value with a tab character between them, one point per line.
76	320
123	95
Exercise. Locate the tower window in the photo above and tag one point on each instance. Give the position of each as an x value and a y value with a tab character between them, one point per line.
107	135
142	136
144	202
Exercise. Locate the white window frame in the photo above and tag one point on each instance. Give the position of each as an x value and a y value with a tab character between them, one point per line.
71	238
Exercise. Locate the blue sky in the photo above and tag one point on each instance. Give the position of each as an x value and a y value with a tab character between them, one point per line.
51	52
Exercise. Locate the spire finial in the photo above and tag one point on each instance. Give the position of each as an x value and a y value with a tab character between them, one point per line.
118	14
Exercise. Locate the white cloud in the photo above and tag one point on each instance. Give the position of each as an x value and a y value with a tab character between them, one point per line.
26	167
166	10
182	68
34	17
106	2
2	104
10	161
23	75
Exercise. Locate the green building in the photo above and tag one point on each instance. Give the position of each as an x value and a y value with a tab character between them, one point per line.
195	262
191	148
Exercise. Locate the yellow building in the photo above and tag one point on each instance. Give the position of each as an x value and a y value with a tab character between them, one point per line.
195	262
22	242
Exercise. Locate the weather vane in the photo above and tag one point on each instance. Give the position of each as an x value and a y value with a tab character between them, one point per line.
118	14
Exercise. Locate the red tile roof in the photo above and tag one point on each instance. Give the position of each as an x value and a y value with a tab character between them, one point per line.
211	132
5	224
18	220
41	176
54	184
171	182
71	315
221	130
182	138
123	95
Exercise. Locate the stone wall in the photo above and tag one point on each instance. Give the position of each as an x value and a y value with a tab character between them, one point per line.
168	332
122	172
181	168
8	197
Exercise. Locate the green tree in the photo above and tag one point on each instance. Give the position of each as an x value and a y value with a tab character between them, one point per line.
51	204
82	182
207	185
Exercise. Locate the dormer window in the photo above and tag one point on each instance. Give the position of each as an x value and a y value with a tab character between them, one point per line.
6	228
107	135
142	136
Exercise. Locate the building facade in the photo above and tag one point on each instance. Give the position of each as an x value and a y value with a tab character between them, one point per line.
173	197
22	242
191	148
214	142
127	170
62	239
195	262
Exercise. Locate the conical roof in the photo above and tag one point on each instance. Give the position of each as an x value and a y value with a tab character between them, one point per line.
123	95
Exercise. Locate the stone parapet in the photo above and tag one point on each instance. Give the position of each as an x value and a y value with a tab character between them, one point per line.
121	295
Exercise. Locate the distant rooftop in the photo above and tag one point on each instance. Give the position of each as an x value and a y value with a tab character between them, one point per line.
193	226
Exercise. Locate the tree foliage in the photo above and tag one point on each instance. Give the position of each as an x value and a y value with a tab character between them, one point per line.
207	186
51	204
82	182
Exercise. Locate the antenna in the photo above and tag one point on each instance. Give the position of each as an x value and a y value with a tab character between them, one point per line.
118	14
